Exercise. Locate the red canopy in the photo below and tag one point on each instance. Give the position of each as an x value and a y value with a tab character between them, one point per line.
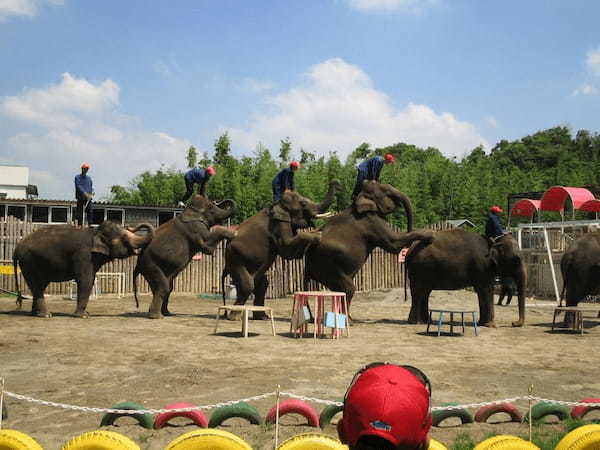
591	206
525	207
554	198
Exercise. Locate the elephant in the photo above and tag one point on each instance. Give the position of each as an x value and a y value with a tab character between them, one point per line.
507	289
456	259
271	232
175	243
349	237
64	252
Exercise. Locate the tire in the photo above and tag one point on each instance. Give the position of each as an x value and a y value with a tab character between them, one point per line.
196	416
485	412
328	413
15	440
544	409
294	406
208	439
242	410
438	416
506	442
146	420
586	437
578	412
436	445
312	441
100	440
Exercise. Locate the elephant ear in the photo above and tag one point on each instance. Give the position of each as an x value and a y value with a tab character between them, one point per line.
278	213
192	214
99	246
363	205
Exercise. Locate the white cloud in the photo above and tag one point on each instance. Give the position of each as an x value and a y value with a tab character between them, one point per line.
414	6
338	108
491	121
28	8
79	122
592	60
254	86
586	89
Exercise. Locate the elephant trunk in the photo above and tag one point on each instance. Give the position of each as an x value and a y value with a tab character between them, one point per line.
322	207
402	199
139	241
520	277
227	208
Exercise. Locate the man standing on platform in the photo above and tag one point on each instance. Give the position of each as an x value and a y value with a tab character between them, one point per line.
84	193
370	170
284	181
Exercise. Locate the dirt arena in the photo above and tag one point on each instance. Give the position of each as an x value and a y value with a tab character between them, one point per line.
118	355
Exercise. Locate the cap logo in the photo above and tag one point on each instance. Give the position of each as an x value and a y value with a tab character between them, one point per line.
379	425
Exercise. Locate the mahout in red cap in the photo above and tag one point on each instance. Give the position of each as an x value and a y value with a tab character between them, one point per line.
294	164
85	166
496	209
388	401
211	170
389	158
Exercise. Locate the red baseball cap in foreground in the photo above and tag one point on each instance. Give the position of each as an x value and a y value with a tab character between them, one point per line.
386	401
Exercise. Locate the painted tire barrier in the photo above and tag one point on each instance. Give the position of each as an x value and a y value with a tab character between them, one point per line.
545	409
100	440
328	413
242	410
294	406
436	445
485	412
196	416
463	414
506	442
208	439
15	440
312	441
586	437
579	411
146	420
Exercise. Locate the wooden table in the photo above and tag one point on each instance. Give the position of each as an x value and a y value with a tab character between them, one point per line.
339	306
441	313
578	324
245	310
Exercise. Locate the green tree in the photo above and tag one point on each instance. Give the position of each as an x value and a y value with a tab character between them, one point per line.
192	157
222	149
284	151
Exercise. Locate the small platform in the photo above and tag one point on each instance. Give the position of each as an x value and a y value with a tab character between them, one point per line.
245	310
336	318
578	324
451	312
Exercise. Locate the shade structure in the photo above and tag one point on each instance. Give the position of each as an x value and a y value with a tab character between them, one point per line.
555	197
591	206
525	207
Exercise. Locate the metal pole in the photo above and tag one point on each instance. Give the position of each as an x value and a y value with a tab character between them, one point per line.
277	417
1	400
551	262
530	419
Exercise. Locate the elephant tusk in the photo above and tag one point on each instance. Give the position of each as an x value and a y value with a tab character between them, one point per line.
324	215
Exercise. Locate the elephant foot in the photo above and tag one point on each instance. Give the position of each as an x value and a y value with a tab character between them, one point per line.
518	323
81	314
489	324
44	314
166	312
234	315
155	315
260	315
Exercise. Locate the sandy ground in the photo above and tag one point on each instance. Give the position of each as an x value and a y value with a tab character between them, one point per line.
118	355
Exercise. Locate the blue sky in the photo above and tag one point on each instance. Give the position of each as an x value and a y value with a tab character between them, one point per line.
128	86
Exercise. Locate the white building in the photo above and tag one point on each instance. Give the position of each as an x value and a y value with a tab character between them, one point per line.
14	181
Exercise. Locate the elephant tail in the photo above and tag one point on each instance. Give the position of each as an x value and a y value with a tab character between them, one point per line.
136	272
19	300
223	276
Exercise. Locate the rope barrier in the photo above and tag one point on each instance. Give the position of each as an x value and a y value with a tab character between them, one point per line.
274	394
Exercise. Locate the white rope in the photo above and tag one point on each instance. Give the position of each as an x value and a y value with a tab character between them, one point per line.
287	394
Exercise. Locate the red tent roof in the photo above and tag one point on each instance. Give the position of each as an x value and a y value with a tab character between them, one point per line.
554	198
591	206
525	207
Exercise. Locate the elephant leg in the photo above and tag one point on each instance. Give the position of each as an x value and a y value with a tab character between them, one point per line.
485	296
165	304
343	283
575	293
38	306
159	285
419	307
261	283
244	286
85	284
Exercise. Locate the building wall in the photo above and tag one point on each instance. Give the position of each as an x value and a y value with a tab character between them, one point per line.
14	181
133	216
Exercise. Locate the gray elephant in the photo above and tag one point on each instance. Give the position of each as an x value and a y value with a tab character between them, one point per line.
63	252
457	259
349	237
271	232
175	243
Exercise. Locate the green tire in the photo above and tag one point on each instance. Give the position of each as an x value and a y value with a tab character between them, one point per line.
242	410
438	416
544	409
328	413
146	420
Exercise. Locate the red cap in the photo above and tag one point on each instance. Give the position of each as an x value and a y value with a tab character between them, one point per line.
389	157
294	164
496	209
211	170
85	166
386	401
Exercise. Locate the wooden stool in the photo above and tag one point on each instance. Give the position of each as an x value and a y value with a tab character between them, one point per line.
337	318
441	313
245	309
578	324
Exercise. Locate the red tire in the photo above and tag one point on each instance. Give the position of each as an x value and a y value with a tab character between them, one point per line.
196	416
579	411
485	412
294	406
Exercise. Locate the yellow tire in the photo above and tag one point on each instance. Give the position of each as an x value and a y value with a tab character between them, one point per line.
312	441
100	440
586	437
505	442
208	439
15	440
436	445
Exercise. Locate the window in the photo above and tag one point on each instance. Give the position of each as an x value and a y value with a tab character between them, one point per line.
164	216
39	214
16	211
2	212
115	215
97	215
59	214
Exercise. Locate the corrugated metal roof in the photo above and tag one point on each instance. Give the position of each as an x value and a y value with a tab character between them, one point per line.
50	202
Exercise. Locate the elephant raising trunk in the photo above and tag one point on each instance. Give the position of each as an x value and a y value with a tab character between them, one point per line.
139	241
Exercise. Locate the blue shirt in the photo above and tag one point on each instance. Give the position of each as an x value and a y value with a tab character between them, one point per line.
493	227
284	180
83	185
196	175
371	168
